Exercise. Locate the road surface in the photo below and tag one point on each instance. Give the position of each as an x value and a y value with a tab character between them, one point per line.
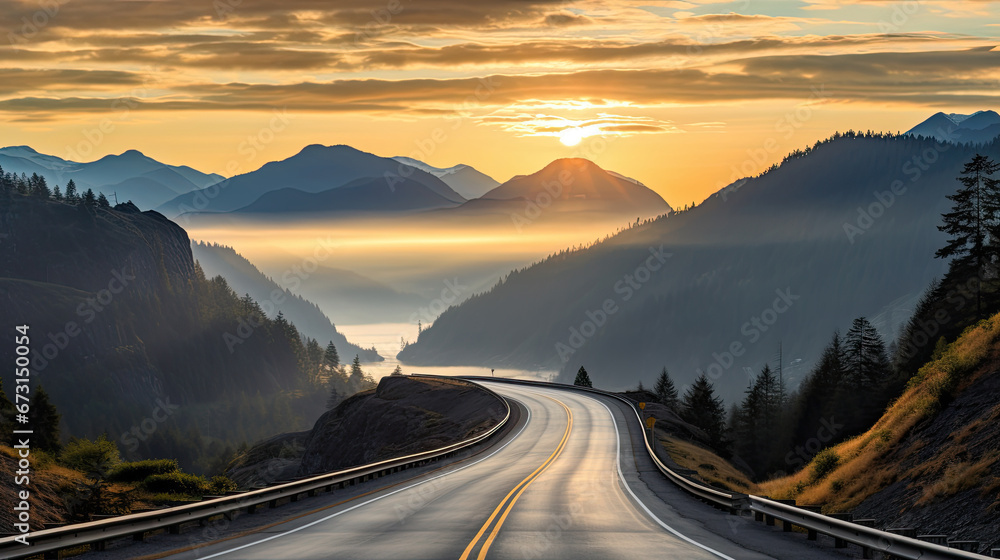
564	483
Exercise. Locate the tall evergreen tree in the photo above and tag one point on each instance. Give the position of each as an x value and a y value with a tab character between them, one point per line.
102	201
701	408
89	200
866	359
331	358
972	218
71	194
44	420
665	390
56	193
759	430
38	187
357	377
582	378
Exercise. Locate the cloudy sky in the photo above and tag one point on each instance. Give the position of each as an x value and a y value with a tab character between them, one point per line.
684	95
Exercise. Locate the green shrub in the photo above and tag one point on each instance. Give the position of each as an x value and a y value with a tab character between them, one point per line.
137	471
176	483
93	457
824	463
836	486
221	484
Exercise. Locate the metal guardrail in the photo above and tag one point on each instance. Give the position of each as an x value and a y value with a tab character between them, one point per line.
137	524
868	538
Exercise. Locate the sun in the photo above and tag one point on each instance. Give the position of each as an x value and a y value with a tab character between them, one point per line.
571	136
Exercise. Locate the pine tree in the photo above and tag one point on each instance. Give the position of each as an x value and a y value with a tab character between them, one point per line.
758	426
866	359
89	200
37	186
331	358
357	377
102	201
582	378
665	390
860	399
972	218
398	370
57	194
702	409
71	194
44	420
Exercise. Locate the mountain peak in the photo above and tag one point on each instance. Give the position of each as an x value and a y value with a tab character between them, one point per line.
580	164
979	127
28	149
581	184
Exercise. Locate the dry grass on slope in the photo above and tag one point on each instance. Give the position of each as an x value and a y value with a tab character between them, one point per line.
709	467
842	477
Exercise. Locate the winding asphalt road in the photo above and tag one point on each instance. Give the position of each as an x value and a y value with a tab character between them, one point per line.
564	483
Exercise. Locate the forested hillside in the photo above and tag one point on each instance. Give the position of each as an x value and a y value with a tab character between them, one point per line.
845	229
131	339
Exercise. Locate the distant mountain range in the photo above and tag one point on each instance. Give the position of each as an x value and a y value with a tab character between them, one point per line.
340	181
245	278
315	169
978	128
466	180
130	176
361	196
844	229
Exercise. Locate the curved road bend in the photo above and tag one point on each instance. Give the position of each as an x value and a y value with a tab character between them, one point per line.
553	489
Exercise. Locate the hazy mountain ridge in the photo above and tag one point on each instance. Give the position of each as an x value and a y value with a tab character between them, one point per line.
979	128
366	195
314	169
465	179
796	230
131	175
245	278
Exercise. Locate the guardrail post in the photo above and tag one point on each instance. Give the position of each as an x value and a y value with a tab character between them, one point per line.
865	551
786	526
174	529
903	531
995	553
969	546
812	534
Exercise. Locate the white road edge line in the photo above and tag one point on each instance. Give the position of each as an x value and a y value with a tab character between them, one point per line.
329	517
621	476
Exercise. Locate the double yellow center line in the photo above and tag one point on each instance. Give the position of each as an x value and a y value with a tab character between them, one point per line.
510	499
